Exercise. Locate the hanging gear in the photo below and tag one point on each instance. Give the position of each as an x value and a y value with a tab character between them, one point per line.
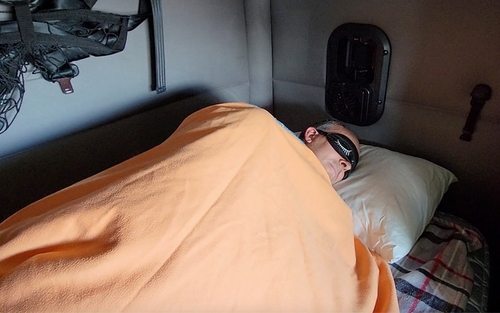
50	34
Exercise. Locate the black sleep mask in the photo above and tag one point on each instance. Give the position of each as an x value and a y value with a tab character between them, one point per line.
344	147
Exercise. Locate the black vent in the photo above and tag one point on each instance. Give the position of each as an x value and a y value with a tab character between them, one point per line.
358	58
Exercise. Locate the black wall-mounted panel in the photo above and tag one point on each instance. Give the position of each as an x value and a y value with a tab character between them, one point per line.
358	59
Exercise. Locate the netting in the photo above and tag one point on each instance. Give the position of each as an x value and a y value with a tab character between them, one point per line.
52	61
49	35
12	69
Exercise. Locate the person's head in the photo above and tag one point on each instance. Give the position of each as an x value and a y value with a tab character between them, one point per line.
336	147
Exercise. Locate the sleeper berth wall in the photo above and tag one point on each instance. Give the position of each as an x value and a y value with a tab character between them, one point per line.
431	76
217	49
440	51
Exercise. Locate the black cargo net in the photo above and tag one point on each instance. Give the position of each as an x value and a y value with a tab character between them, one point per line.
49	35
12	68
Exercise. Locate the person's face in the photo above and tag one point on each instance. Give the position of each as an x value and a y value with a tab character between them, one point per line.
332	161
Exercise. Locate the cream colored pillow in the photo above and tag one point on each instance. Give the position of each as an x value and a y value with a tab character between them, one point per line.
393	197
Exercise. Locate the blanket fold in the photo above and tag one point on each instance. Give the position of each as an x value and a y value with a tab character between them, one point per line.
230	213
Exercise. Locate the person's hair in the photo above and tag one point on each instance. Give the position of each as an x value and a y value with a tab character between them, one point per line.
324	125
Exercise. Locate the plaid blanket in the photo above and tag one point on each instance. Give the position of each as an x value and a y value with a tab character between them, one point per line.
437	275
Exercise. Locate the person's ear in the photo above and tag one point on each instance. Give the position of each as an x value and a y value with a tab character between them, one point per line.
309	134
345	164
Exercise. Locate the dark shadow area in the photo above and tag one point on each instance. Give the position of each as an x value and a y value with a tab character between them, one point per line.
32	174
482	212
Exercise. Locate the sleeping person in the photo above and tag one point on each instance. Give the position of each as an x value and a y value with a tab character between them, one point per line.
232	213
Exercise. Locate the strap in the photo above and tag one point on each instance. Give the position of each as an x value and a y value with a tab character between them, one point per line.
159	46
25	24
146	9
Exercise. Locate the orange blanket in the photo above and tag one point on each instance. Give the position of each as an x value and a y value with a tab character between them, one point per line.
231	213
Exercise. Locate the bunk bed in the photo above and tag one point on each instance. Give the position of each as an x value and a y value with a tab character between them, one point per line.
275	217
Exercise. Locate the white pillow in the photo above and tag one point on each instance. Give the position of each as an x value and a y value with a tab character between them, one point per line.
393	197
